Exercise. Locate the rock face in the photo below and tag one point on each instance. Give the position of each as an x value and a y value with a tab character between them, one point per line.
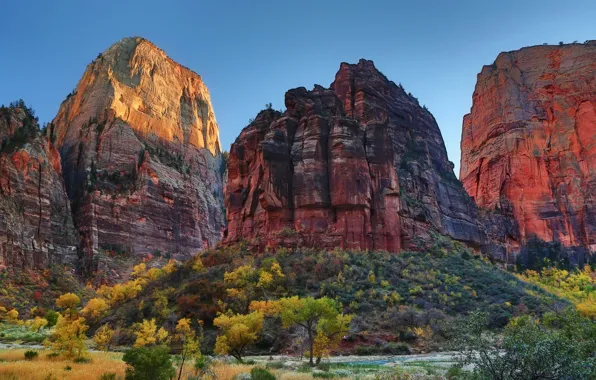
141	154
36	227
359	165
529	143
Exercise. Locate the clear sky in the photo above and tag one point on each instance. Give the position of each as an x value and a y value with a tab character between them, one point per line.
249	52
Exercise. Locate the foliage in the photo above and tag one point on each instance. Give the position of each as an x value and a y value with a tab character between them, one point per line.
321	318
69	337
30	355
68	302
530	349
237	332
258	373
23	134
148	363
577	286
95	308
103	337
148	334
52	318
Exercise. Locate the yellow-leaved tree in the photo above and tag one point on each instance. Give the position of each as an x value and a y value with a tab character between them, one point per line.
37	323
237	332
12	316
103	337
95	308
148	334
68	302
187	336
69	337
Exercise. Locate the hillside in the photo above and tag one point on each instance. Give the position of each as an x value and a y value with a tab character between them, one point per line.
388	294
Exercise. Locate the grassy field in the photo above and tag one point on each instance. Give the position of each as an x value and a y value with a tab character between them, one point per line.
13	366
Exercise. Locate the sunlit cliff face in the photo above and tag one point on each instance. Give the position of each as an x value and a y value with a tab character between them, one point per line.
136	82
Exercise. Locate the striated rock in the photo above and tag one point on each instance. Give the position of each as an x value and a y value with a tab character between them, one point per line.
359	165
529	143
36	227
141	154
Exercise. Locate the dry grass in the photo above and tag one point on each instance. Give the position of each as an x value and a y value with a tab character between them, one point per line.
228	371
13	366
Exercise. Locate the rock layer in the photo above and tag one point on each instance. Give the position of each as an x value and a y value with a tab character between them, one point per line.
359	165
141	154
36	227
529	142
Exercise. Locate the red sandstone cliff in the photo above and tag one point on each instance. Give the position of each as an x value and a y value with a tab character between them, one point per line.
529	142
141	154
359	165
36	227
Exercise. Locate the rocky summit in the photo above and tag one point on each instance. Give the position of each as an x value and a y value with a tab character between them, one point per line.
36	227
529	143
141	155
358	165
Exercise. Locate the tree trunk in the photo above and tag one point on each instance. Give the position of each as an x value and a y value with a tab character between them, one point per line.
311	343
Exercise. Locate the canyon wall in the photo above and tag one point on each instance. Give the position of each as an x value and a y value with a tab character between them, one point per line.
141	155
358	165
36	227
529	143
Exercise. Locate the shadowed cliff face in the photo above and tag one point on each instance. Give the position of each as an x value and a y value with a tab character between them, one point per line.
360	165
36	228
529	142
141	154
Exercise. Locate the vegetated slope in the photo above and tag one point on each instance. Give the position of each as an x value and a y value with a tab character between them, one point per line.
389	294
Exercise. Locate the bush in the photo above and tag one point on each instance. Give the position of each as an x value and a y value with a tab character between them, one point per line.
148	363
258	373
30	355
52	318
558	347
323	375
82	359
107	376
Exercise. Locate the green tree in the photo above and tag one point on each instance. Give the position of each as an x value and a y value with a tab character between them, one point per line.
148	363
321	318
529	350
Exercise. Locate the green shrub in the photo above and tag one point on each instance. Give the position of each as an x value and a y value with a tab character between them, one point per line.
558	347
68	368
82	359
148	363
52	317
30	355
107	376
258	373
454	372
275	365
323	375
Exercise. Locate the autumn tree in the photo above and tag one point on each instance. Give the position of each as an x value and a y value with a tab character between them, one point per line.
321	318
187	337
237	332
244	281
37	323
68	302
148	334
103	337
12	316
95	308
69	337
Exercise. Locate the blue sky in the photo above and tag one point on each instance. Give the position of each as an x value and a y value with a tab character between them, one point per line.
249	52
